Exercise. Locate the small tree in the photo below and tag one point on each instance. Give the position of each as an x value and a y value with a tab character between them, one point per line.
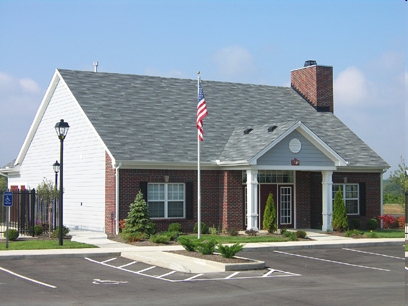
269	218
47	193
340	221
3	184
138	220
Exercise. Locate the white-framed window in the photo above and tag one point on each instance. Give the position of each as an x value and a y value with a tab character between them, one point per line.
350	197
166	200
285	213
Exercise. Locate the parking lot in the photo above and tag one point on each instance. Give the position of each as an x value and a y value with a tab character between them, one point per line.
345	276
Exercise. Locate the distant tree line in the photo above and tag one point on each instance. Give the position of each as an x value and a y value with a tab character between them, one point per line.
396	185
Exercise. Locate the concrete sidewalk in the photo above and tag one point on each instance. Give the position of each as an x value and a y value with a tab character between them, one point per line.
157	255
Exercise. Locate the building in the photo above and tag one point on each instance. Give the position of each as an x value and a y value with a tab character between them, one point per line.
130	132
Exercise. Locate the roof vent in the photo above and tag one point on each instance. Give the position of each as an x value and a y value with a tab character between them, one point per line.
310	63
247	131
272	128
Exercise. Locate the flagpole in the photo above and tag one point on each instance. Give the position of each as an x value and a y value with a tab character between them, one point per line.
198	172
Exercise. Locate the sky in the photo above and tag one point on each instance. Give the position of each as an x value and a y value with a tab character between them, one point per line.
251	41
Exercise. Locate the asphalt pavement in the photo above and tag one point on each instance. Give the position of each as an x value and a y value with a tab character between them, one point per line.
159	256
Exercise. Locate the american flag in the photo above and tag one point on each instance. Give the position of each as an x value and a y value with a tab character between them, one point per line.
201	111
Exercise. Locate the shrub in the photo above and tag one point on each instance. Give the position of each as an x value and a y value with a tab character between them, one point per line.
401	221
372	224
138	219
300	234
204	228
187	244
159	238
372	234
38	230
12	234
232	231
133	237
251	232
388	221
174	227
354	224
353	233
339	222
269	218
290	235
213	230
227	251
206	247
55	233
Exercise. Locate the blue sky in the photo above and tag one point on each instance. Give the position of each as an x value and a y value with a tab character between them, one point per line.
253	41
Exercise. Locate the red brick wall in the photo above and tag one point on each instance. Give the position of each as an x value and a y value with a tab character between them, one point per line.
232	200
303	191
110	196
211	192
315	84
373	195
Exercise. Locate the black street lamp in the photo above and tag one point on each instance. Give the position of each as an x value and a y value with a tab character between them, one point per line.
62	130
56	167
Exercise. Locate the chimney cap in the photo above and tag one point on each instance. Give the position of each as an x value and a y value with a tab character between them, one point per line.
310	63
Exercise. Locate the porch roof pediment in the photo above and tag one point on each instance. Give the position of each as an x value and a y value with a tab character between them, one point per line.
247	147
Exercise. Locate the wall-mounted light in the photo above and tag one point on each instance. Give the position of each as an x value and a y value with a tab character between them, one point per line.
166	178
345	180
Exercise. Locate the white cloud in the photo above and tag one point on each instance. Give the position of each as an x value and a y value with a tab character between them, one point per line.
350	87
234	61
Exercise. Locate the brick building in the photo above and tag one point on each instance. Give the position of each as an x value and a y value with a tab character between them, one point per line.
130	133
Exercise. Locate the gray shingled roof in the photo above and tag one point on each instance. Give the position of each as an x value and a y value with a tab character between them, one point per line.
146	118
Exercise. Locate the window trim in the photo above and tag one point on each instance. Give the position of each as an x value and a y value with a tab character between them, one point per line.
343	188
166	200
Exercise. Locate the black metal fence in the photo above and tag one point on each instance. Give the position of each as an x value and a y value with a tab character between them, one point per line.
26	212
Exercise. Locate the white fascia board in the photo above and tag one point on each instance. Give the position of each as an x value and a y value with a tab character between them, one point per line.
321	145
38	117
232	163
296	168
133	164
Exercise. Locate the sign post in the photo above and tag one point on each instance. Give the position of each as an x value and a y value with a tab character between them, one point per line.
7	202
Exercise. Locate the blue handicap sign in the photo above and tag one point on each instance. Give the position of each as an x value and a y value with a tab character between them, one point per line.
8	199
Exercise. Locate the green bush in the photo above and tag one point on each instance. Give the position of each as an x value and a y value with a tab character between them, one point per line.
187	244
339	222
12	234
371	235
132	237
290	235
213	230
55	233
206	247
160	238
232	231
227	251
38	230
354	224
353	233
372	224
174	227
269	219
204	228
300	234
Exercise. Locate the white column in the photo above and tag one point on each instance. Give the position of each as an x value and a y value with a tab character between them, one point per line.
327	200
252	199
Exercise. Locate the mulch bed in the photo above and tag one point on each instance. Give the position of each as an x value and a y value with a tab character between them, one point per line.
212	257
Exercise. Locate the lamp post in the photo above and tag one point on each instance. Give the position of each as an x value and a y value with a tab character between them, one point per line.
61	128
56	167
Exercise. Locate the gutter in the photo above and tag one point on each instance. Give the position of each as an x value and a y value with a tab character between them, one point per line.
117	199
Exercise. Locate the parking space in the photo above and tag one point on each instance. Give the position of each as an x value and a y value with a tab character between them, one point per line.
358	276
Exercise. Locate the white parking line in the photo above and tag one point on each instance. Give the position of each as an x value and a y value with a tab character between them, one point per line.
128	264
108	260
232	275
27	278
332	261
370	253
147	269
269	273
164	275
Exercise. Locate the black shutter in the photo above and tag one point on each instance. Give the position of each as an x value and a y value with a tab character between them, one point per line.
143	189
189	200
362	187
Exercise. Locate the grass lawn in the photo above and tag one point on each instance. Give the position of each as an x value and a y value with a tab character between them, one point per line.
34	244
386	233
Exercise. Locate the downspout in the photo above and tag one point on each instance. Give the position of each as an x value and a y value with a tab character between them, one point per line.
117	199
382	197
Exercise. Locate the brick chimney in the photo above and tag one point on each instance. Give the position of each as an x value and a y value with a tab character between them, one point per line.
315	84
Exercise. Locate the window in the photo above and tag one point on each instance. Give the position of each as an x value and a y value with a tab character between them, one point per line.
350	197
166	200
271	176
